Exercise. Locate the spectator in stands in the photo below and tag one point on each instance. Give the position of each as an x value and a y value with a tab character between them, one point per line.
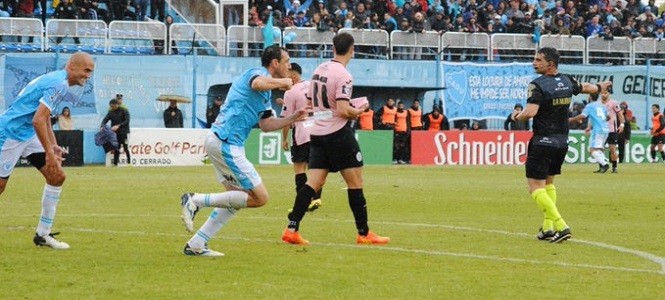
64	120
498	26
559	28
24	9
475	125
526	24
158	10
4	12
67	10
439	22
141	9
514	11
341	12
389	23
578	27
361	13
593	27
173	116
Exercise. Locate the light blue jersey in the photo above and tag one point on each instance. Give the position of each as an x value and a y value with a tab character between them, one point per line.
597	114
16	122
242	109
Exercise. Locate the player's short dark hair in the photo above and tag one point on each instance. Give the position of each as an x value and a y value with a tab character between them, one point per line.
594	96
550	54
270	53
343	43
296	67
113	101
656	106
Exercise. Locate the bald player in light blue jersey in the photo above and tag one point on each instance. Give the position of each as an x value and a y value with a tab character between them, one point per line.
26	131
248	103
598	117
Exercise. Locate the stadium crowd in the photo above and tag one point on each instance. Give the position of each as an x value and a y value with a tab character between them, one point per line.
603	18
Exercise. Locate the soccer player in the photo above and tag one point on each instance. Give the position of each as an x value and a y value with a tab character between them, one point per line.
599	128
333	146
549	97
616	127
247	104
657	132
25	131
294	100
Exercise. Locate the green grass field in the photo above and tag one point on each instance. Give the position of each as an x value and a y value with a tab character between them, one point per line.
457	232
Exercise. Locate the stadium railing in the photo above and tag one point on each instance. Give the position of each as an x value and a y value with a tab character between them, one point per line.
309	42
458	46
412	45
21	35
571	47
62	34
247	40
134	37
617	51
206	38
512	47
370	43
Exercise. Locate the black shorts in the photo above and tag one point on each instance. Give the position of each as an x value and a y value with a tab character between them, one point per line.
543	161
658	139
300	153
336	151
612	138
122	138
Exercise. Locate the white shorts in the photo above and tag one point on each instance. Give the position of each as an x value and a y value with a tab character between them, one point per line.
597	140
231	166
12	150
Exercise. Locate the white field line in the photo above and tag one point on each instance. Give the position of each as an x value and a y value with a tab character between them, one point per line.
645	255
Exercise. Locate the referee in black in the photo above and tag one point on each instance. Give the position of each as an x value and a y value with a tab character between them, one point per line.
548	99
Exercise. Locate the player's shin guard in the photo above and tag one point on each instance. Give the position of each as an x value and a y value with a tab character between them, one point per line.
50	198
359	207
303	199
301	179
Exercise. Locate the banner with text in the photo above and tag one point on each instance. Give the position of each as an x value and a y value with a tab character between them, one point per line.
479	91
185	147
504	148
20	71
153	147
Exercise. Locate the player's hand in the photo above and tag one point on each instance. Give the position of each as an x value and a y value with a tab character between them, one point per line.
620	129
279	101
287	84
115	127
587	131
605	85
300	115
285	145
59	151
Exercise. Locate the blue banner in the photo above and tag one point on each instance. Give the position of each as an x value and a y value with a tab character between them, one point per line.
481	91
19	71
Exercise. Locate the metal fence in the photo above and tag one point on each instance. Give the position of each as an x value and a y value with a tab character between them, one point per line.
129	37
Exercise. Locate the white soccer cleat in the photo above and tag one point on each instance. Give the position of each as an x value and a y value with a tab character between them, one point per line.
189	210
50	241
205	251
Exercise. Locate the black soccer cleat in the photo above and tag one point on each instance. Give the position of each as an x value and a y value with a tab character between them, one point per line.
545	235
561	236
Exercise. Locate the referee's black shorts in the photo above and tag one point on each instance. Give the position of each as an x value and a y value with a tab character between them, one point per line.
336	151
543	161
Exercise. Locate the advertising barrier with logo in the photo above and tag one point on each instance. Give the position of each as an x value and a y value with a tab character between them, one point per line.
463	147
184	147
150	147
72	142
504	148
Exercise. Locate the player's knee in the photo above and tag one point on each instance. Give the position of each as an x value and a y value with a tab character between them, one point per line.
56	179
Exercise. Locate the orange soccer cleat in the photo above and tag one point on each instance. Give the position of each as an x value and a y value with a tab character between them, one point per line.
293	238
372	238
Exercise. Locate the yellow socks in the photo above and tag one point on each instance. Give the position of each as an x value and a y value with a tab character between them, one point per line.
547	205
